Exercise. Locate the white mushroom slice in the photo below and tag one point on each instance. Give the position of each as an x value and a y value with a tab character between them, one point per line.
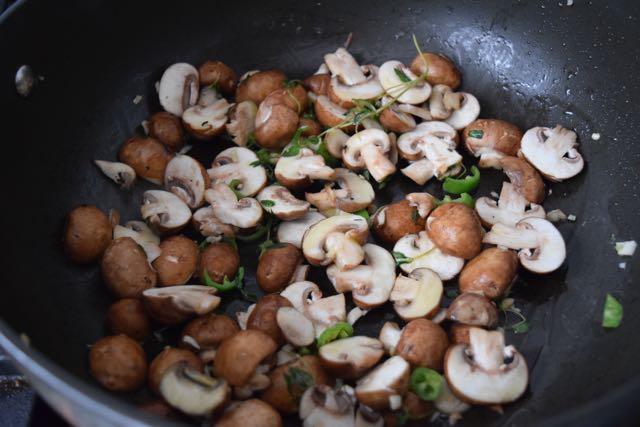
142	235
243	213
237	163
296	328
390	336
345	93
164	211
553	152
369	123
443	101
191	391
418	295
301	294
301	169
242	117
279	201
443	159
424	202
540	244
321	406
486	372
423	253
355	193
448	403
419	171
120	173
243	317
351	357
343	65
338	240
178	89
369	149
205	122
330	114
186	178
414	110
207	223
324	312
469	111
355	314
335	140
378	388
209	95
510	208
293	231
410	143
389	76
370	284
171	305
286	354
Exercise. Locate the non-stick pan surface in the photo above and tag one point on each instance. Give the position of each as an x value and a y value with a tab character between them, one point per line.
535	63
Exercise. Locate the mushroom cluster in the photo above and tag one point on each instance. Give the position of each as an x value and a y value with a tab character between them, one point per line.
300	182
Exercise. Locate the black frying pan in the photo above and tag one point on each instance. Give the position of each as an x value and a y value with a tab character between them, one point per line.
532	64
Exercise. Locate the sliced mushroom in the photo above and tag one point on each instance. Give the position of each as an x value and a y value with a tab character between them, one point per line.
296	328
439	69
396	87
449	404
355	193
142	234
553	152
415	110
525	178
382	389
370	285
350	81
351	357
396	120
207	223
178	88
120	173
424	202
301	294
540	244
486	136
338	240
175	304
239	355
510	208
318	83
490	273
279	201
486	372
473	309
242	117
417	295
292	231
324	312
206	121
300	170
186	178
443	102
410	143
421	252
250	413
259	381
164	211
330	114
369	149
389	336
466	114
321	406
243	213
191	391
238	163
456	230
367	417
335	140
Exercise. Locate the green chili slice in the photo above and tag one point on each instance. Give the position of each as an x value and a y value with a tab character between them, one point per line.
426	383
465	198
226	285
464	185
335	332
612	314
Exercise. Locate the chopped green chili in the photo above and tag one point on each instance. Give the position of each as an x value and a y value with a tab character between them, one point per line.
335	332
426	383
612	314
464	185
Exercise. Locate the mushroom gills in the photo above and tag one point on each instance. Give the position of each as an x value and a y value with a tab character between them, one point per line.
191	391
120	173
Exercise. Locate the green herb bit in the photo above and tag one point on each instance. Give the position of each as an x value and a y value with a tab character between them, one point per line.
290	84
261	230
612	314
507	306
475	133
233	185
452	293
335	332
268	203
384	182
464	185
269	244
401	258
424	60
204	244
298	381
304	351
426	383
465	198
226	285
329	160
363	213
415	216
401	75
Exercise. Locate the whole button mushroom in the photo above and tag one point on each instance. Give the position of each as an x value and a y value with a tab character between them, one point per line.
473	309
484	136
423	343
219	74
167	358
87	234
250	413
219	260
351	357
277	266
125	268
177	261
207	332
389	75
239	355
178	89
118	363
166	128
275	125
441	70
263	316
490	273
396	220
456	230
147	156
257	86
128	316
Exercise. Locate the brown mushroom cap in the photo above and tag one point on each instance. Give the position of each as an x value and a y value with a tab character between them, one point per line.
441	69
277	266
473	309
318	83
351	357
263	316
456	230
87	234
166	128
490	273
175	304
250	413
177	261
125	268
220	260
423	343
415	407
167	358
459	333
386	383
275	125
240	354
496	135
219	74
293	97
397	121
209	330
257	86
524	178
278	395
159	408
312	127
396	220
127	316
147	156
118	363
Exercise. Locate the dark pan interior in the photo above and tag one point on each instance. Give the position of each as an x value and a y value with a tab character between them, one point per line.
532	64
